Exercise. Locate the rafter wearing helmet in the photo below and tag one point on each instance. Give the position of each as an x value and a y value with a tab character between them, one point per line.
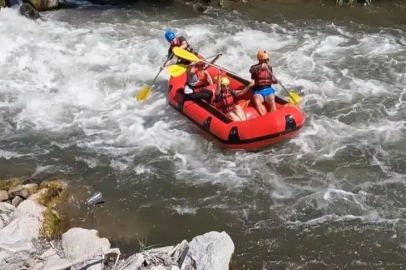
263	77
180	42
225	99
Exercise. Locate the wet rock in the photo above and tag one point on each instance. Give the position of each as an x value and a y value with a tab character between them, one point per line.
78	243
49	193
9	183
200	8
43	5
222	3
16	201
23	191
53	184
3	195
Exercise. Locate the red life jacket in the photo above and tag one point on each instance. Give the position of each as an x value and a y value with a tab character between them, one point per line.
263	78
225	102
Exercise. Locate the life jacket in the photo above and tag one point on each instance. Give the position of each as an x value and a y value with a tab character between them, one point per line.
202	80
263	78
225	102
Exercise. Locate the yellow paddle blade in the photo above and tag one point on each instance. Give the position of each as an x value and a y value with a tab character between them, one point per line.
176	70
144	93
294	98
181	53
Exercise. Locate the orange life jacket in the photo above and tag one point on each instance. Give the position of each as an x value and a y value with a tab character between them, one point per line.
225	102
263	78
202	80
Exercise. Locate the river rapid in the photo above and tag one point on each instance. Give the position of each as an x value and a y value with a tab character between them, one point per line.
333	197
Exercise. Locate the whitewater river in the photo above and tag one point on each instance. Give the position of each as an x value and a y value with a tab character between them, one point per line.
333	197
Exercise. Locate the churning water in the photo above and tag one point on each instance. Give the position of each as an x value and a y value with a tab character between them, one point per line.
334	195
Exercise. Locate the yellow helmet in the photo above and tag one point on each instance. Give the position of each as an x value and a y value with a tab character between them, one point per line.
224	80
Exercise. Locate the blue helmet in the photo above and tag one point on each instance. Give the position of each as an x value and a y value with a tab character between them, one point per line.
169	35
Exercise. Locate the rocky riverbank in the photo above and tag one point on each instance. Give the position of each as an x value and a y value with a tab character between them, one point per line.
32	8
33	235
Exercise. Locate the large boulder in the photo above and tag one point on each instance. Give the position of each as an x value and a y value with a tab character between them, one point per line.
79	243
43	5
212	250
20	229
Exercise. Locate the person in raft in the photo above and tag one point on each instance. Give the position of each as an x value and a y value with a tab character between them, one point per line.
225	99
180	42
196	81
262	74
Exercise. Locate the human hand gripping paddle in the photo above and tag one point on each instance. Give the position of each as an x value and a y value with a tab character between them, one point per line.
293	97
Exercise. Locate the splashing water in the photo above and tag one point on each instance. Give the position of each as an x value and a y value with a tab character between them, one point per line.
67	88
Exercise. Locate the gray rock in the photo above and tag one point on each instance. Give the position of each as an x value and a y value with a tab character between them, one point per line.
159	267
3	195
6	213
42	5
134	262
28	11
38	266
23	191
181	252
48	253
80	243
54	262
212	250
16	201
23	228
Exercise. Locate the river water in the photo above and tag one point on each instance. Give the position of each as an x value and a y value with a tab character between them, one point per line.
333	197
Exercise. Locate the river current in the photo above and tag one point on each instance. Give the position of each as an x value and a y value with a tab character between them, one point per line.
333	197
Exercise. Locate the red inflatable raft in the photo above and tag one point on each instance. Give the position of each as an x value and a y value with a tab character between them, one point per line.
256	132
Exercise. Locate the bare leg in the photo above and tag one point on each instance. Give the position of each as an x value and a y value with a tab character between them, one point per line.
233	116
240	113
258	99
271	101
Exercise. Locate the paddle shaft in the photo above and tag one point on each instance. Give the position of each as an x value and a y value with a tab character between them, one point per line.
160	70
230	73
282	86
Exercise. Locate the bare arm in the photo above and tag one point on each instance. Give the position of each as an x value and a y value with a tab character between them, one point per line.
189	69
183	45
218	87
243	91
209	79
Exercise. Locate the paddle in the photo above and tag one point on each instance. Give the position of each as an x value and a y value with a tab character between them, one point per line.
181	53
178	69
293	97
147	89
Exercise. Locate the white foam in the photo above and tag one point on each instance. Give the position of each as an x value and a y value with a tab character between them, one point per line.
57	77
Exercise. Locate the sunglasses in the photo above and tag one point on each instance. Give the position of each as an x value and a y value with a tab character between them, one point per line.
225	85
